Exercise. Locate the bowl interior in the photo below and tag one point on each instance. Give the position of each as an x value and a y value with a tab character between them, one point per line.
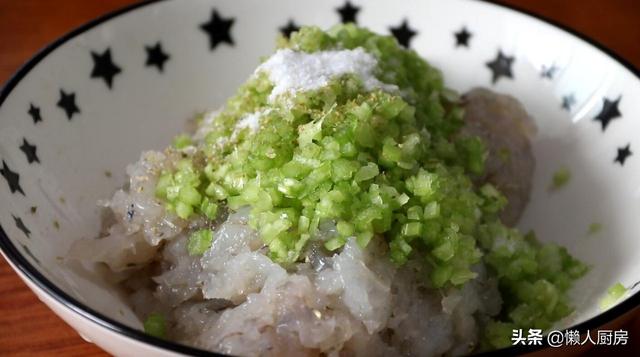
67	129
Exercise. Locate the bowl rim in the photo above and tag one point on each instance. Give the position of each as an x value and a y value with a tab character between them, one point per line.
29	271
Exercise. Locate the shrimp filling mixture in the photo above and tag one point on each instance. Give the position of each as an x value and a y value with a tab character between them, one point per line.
343	202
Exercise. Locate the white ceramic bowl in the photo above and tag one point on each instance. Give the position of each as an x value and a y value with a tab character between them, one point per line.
89	103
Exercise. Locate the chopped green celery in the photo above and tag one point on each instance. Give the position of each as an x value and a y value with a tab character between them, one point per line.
494	200
182	141
614	294
199	242
497	334
216	191
391	153
309	132
423	184
560	178
343	169
431	210
190	195
164	181
290	187
444	251
474	155
412	229
345	229
535	277
400	250
335	243
440	275
462	275
155	325
364	238
381	166
209	208
594	228
403	199
414	213
367	172
183	210
303	224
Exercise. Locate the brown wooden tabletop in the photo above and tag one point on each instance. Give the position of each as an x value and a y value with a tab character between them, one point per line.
28	327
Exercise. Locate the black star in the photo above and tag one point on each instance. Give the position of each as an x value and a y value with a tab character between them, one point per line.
30	151
501	67
462	37
403	33
348	12
289	28
21	226
103	67
218	29
13	179
548	72
608	113
623	154
156	57
568	101
68	103
35	113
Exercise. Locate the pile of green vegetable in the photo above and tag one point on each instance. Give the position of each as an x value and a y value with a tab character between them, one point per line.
381	166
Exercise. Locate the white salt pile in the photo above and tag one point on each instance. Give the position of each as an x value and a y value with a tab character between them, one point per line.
292	71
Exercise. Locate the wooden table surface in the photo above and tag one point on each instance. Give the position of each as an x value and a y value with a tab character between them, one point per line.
28	327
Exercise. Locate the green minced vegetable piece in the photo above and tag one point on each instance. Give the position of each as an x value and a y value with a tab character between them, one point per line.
209	208
381	165
199	242
182	141
534	278
155	325
504	154
614	294
560	178
594	228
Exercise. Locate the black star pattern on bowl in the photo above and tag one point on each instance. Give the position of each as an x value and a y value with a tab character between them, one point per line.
156	56
30	151
104	67
608	112
34	112
568	101
68	103
501	67
403	33
21	226
348	13
549	72
12	178
623	153
462	37
218	29
289	28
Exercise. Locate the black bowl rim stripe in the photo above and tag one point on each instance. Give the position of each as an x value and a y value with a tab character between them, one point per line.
32	273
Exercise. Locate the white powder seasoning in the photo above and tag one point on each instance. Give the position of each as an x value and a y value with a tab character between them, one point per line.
292	71
250	121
